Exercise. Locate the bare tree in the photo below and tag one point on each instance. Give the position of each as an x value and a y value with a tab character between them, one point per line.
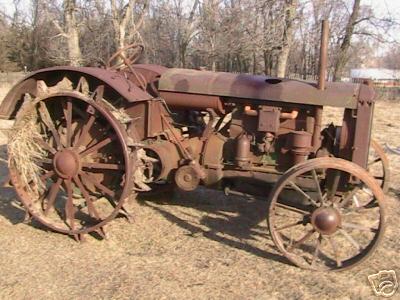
186	29
70	32
209	30
277	37
290	8
345	45
127	19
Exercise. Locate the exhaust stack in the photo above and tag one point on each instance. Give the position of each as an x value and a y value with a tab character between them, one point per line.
323	55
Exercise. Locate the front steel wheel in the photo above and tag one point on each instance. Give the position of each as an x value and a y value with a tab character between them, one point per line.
378	165
326	214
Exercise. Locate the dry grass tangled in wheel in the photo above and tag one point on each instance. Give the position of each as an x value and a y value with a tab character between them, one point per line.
24	150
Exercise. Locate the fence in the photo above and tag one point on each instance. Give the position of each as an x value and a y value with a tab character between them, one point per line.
388	93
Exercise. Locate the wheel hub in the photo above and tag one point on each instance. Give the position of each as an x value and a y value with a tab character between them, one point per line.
326	220
66	163
186	178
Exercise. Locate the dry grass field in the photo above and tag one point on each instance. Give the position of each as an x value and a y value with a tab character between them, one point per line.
200	245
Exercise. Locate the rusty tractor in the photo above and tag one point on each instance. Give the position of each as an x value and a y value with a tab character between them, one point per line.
86	139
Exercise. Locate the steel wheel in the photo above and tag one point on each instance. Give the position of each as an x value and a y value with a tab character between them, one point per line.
378	165
84	172
326	214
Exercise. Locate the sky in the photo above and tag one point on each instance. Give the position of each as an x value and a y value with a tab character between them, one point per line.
383	8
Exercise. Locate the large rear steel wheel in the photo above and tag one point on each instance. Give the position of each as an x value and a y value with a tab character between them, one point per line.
326	214
83	169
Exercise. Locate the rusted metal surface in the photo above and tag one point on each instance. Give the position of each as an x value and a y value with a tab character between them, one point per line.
126	61
193	101
363	126
137	129
299	144
269	118
95	76
258	88
187	178
316	139
243	150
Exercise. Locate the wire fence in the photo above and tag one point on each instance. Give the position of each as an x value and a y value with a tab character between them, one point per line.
388	93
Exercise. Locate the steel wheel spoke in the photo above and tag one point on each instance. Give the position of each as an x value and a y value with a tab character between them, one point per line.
335	251
350	239
293	209
45	115
378	159
315	176
304	239
349	197
104	189
45	145
98	146
52	195
361	209
297	188
69	205
358	227
289	225
103	166
85	130
316	252
91	208
68	118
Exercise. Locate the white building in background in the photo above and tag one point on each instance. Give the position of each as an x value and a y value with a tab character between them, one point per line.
380	77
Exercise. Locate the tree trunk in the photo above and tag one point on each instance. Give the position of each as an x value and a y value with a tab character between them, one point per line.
282	61
72	32
182	55
290	15
254	63
341	59
125	29
267	62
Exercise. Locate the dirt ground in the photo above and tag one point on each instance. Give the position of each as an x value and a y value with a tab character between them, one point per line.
200	245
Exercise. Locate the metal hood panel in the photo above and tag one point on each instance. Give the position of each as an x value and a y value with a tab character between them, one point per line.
258	88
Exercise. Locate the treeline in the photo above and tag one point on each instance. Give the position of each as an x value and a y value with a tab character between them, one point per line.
277	37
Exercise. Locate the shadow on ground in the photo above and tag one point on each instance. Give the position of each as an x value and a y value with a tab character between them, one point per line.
231	220
9	207
234	221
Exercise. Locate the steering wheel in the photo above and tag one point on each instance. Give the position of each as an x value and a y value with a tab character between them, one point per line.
127	61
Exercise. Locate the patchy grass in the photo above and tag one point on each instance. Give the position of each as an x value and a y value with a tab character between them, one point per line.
200	245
